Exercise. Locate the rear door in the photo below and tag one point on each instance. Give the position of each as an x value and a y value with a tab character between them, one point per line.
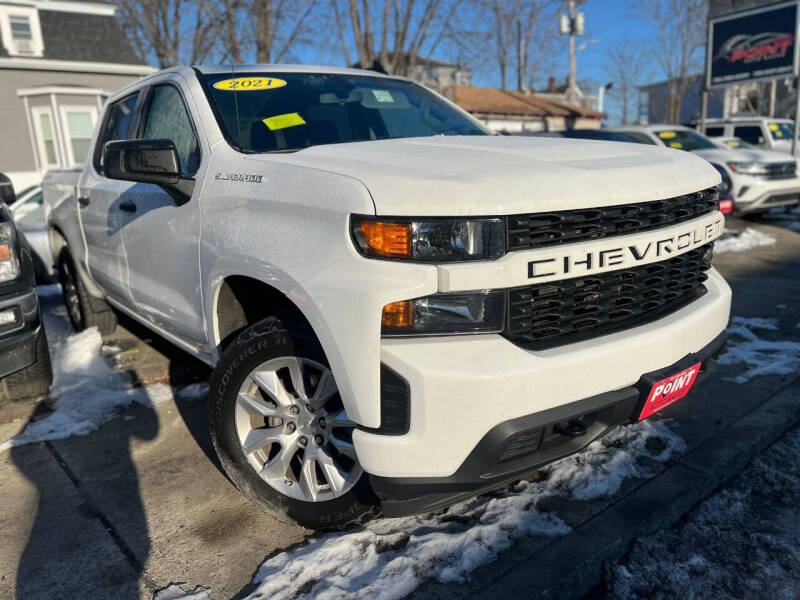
162	234
99	207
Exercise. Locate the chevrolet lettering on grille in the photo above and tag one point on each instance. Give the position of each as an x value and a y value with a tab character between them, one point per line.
661	246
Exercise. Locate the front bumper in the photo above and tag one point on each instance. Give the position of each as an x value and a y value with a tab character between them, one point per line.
463	386
18	345
762	194
519	446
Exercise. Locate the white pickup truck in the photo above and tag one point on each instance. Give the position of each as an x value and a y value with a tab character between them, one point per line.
402	309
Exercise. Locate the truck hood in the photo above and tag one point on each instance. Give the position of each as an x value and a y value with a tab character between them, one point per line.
495	175
722	155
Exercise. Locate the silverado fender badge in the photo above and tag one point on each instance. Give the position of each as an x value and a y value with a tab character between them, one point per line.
243	177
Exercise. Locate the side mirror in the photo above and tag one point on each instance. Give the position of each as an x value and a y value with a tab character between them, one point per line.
146	161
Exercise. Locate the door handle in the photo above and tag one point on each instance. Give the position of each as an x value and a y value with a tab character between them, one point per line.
83	200
127	206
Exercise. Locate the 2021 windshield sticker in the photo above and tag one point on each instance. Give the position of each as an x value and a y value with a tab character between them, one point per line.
249	84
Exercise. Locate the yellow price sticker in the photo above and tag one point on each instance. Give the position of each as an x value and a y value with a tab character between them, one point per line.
677	145
773	127
248	84
666	135
284	121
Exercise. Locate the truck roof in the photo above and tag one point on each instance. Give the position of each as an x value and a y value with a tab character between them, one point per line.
287	68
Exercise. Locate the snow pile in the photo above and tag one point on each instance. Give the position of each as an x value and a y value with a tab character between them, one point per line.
389	558
743	240
763	357
742	542
175	592
88	391
599	470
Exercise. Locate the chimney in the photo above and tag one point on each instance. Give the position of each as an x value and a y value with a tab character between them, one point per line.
551	85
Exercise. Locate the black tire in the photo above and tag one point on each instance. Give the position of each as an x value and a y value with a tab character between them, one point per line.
33	381
84	310
255	345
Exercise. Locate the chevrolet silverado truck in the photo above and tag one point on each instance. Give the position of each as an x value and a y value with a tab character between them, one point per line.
401	308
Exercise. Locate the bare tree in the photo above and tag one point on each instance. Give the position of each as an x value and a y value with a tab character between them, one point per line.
405	30
263	30
157	30
678	46
626	70
519	31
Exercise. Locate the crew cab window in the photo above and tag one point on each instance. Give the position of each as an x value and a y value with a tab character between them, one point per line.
167	118
285	112
117	126
750	133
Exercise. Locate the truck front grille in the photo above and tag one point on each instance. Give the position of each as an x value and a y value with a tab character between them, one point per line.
784	170
562	312
540	230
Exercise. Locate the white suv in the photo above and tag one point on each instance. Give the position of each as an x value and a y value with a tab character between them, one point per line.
760	179
763	132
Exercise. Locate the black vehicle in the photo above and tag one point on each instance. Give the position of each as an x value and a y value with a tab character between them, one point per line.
24	355
584	134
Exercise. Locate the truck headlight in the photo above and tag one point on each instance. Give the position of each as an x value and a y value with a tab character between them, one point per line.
429	240
443	314
748	168
9	265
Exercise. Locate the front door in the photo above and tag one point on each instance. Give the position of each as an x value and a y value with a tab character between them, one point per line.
162	234
98	207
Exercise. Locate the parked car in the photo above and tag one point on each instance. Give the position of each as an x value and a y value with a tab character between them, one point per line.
30	215
763	132
760	180
402	309
24	355
583	134
732	142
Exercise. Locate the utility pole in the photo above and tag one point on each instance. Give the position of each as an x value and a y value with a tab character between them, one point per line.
572	24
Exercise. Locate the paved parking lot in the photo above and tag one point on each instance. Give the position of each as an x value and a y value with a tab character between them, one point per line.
141	503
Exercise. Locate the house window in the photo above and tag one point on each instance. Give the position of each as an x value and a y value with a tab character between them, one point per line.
20	31
45	136
79	124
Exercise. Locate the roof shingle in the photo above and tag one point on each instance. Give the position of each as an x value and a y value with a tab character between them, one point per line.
486	100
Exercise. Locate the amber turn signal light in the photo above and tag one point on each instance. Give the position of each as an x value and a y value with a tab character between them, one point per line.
387	239
5	252
398	314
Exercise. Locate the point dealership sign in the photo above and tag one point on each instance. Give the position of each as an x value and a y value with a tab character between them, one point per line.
753	45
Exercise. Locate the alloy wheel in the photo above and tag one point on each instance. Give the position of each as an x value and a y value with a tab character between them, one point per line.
294	431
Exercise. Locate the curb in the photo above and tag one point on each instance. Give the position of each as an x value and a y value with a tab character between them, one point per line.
572	565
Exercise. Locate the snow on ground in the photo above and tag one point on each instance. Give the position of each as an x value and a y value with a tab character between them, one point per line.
740	241
762	356
87	390
389	558
742	542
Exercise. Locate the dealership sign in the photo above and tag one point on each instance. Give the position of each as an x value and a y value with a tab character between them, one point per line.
754	45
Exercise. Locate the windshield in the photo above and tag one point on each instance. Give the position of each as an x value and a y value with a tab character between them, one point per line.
781	131
285	112
739	144
683	139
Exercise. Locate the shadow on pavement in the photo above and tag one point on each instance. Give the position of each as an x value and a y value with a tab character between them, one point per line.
69	557
159	361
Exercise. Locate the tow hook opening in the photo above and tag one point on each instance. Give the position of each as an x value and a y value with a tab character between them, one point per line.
572	428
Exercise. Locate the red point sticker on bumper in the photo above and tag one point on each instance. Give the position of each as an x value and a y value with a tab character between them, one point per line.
669	390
